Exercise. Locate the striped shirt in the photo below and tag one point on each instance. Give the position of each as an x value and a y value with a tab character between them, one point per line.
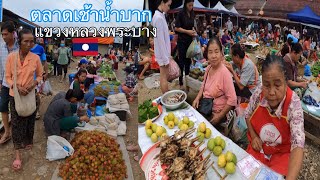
4	52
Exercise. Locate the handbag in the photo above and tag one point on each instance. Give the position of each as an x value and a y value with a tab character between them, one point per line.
206	104
174	70
25	105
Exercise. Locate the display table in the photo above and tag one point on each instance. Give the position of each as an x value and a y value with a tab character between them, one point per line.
145	142
251	46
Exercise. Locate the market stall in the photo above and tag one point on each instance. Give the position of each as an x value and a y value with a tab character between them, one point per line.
311	106
246	166
96	151
251	46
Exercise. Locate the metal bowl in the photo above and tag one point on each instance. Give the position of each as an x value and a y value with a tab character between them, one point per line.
176	105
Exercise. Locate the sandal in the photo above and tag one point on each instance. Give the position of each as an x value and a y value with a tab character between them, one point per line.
16	165
28	147
5	140
133	147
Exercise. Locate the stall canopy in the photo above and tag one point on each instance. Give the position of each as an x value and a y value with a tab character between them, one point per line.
220	8
305	15
235	12
197	6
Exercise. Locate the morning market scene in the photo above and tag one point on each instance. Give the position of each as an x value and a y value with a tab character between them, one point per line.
160	90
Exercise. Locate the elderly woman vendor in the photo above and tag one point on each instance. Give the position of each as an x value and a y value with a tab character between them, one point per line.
275	122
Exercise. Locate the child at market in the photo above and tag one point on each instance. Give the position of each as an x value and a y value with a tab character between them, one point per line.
59	117
130	82
80	82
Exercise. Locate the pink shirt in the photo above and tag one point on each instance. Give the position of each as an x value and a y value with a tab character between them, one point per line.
219	86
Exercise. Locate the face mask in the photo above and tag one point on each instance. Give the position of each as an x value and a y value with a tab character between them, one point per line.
62	45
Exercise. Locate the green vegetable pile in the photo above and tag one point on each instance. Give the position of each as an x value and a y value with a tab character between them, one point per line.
228	58
315	69
147	111
103	89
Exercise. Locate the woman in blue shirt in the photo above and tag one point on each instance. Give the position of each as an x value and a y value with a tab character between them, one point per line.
204	40
239	36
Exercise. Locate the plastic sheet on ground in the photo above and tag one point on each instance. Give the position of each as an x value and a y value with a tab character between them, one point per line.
153	81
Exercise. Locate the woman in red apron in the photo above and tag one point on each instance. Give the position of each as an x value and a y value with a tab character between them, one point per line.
275	122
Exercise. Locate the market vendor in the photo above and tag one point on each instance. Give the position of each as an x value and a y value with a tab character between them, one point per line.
81	82
275	121
217	84
244	71
59	115
130	82
291	60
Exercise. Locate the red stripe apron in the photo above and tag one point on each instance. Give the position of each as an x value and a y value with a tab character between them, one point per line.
275	135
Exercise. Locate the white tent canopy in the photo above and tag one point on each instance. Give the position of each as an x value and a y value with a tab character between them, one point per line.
220	8
24	8
196	4
234	11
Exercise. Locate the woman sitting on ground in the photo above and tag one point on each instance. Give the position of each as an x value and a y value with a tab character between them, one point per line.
217	84
81	82
130	82
59	116
275	122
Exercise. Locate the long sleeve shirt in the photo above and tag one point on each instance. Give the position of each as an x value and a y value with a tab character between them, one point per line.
162	46
25	71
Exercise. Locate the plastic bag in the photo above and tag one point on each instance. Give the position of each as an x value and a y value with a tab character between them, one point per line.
193	50
174	71
58	148
46	88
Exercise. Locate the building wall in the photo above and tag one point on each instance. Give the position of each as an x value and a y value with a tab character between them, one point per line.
275	8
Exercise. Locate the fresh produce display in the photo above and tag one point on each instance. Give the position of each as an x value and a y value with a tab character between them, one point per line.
228	58
171	120
315	69
104	88
196	73
154	131
203	132
147	111
228	161
316	80
216	145
181	158
310	101
185	124
96	156
174	98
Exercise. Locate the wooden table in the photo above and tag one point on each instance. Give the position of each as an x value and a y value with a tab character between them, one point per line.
315	121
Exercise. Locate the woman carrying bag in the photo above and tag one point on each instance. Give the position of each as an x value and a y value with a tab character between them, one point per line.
217	95
20	69
186	33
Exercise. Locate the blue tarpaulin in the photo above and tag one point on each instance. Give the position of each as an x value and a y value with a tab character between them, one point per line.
305	15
